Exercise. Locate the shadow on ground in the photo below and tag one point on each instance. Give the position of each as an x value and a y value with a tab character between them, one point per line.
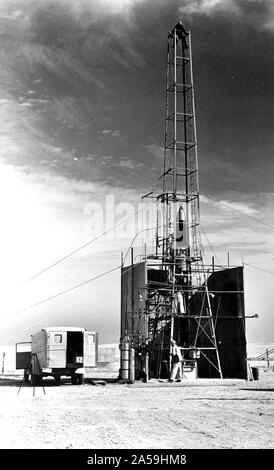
258	389
50	382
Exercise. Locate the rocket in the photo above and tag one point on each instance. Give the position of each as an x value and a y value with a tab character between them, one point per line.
182	237
181	218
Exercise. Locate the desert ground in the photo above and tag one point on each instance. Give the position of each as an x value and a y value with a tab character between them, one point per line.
199	414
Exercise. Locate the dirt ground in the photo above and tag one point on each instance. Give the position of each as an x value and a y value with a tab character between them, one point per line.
199	414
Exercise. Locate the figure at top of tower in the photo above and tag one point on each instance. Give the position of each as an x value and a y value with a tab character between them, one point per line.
181	33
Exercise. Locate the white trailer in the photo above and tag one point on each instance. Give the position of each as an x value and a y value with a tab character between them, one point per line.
59	351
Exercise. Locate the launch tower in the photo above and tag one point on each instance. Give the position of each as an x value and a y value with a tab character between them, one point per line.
167	294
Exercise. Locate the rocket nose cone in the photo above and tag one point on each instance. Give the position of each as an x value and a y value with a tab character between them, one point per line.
181	215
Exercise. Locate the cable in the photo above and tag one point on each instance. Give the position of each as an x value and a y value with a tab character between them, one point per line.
68	290
80	285
135	236
80	247
258	267
62	292
114	269
210	244
240	212
57	295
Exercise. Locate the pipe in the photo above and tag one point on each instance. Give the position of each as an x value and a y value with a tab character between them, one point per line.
131	365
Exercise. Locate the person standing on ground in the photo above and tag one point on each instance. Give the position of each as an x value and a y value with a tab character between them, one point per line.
176	362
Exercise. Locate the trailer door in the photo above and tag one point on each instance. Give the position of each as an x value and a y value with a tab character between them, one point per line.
90	354
57	346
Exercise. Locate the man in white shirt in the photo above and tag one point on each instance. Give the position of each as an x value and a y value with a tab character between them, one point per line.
176	362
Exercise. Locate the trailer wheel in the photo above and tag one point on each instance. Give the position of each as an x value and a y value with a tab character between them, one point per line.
80	379
57	379
74	379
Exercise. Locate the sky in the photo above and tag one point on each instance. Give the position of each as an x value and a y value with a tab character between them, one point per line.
82	108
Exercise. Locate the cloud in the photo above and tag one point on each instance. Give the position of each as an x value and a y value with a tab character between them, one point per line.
43	217
59	62
125	162
122	162
207	7
256	13
69	40
103	7
235	229
240	207
70	112
21	139
156	151
58	65
109	132
25	142
50	209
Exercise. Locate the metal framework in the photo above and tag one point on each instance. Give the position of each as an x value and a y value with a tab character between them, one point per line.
171	293
178	256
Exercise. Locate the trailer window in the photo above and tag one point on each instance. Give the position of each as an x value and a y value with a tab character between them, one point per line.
58	338
90	339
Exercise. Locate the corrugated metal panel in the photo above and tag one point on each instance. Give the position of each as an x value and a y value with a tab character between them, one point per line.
228	311
133	298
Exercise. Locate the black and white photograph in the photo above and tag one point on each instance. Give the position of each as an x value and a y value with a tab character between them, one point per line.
137	231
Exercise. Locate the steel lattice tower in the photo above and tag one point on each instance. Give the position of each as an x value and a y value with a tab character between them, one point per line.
178	245
180	177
